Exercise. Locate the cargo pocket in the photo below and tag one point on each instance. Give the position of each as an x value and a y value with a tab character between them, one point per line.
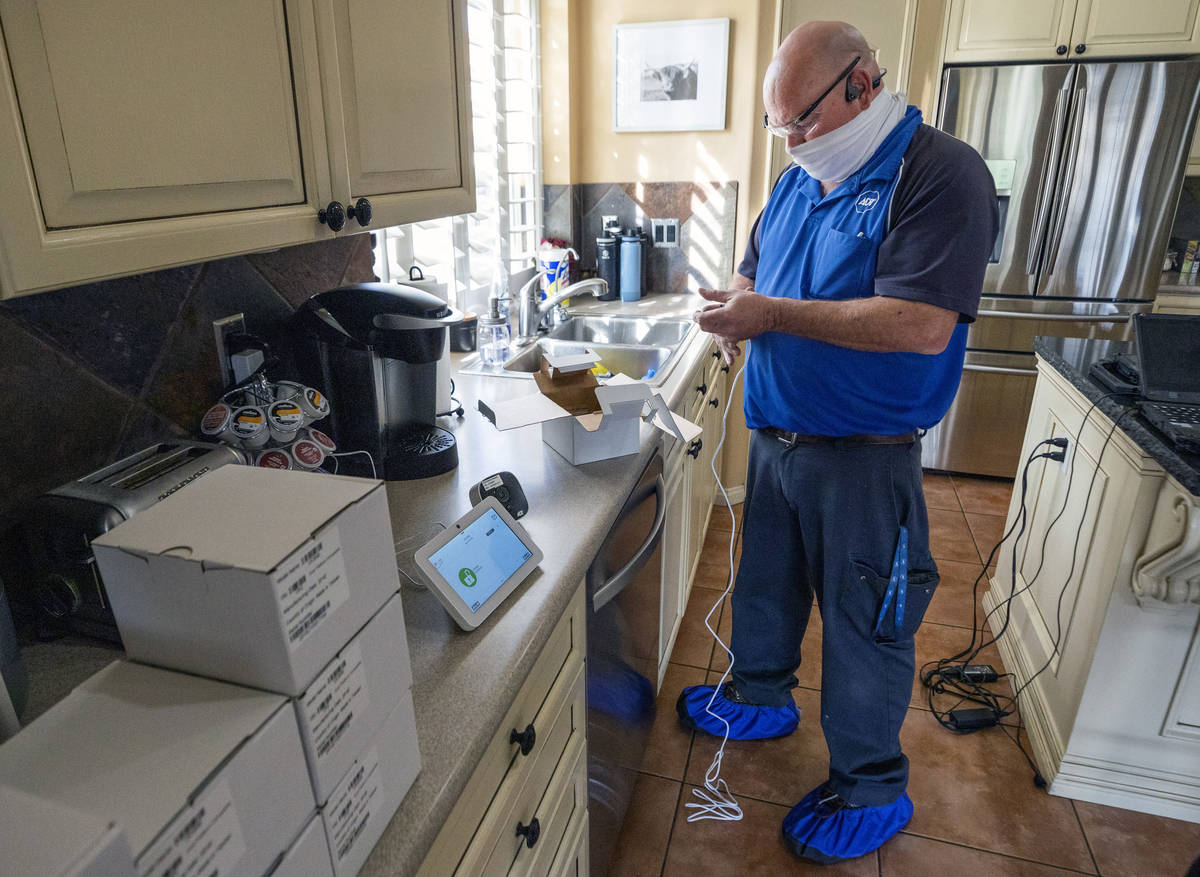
919	584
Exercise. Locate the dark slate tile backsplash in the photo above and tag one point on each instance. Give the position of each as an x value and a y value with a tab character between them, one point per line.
96	372
707	214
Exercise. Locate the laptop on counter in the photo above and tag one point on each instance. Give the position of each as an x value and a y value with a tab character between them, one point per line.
1168	350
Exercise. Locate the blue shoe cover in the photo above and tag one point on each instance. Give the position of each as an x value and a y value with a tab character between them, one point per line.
824	829
746	721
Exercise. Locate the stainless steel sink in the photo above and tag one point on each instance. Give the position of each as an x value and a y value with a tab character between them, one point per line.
596	329
637	362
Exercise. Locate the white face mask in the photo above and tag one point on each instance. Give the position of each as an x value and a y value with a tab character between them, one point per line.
834	156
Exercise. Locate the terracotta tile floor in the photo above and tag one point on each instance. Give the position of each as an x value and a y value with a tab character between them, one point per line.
977	811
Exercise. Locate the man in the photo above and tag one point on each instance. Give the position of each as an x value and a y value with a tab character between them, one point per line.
859	279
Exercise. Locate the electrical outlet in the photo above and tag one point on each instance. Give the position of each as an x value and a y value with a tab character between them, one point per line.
665	232
235	324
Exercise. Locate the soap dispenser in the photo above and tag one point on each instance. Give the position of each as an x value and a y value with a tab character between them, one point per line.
494	335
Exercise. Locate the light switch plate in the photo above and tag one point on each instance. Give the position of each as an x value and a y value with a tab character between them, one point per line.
665	232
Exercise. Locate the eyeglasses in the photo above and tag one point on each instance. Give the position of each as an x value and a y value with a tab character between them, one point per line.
796	125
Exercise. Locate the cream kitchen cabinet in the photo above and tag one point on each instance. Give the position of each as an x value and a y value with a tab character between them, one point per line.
1103	632
1048	30
691	493
138	135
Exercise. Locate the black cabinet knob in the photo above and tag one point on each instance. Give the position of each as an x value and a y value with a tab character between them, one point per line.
1061	50
702	389
725	369
693	450
334	216
360	211
525	738
716	354
1080	49
715	403
530	832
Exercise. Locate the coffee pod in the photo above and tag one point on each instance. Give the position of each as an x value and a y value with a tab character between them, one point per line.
307	454
275	458
250	427
313	404
321	439
216	424
284	420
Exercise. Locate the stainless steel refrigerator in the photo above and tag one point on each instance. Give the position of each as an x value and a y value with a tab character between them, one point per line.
1088	162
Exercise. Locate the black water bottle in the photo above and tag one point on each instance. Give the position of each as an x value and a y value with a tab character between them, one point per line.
608	265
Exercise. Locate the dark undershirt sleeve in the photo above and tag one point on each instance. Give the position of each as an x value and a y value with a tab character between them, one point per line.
748	267
941	236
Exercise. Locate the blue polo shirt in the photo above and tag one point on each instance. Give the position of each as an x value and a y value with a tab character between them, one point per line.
916	222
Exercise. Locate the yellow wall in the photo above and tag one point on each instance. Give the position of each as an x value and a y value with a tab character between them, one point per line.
579	144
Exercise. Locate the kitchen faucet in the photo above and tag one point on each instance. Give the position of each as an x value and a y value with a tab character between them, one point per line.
531	313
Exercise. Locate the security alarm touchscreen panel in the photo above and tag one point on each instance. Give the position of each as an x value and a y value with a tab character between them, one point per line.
474	564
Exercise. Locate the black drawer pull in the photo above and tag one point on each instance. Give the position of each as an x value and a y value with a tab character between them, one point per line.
725	369
530	832
702	389
526	738
693	450
716	354
715	402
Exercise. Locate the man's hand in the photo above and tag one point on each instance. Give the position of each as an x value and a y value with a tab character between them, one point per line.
733	316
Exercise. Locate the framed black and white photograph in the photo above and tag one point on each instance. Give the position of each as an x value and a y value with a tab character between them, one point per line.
671	75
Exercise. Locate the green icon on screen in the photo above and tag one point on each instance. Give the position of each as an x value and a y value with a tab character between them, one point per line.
467	577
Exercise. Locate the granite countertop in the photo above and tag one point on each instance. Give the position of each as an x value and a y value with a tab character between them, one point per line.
1072	357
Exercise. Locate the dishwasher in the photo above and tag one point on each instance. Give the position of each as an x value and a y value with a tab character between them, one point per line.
624	588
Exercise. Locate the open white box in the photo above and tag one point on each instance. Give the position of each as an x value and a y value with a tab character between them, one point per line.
583	419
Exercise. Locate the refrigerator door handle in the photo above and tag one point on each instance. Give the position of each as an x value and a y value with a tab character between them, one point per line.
998	370
1041	207
1061	318
1059	215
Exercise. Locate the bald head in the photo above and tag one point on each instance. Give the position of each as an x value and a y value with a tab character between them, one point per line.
809	58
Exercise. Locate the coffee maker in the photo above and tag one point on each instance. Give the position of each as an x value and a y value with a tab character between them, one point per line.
374	348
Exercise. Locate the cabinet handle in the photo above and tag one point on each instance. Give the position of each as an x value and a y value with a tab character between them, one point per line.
702	389
360	211
1080	49
526	738
693	450
714	402
334	216
725	369
530	832
716	354
1061	50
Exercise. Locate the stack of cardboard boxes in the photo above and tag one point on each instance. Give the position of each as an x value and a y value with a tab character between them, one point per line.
282	586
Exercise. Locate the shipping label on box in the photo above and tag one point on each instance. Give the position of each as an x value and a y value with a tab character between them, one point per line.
251	575
584	420
204	838
352	697
362	804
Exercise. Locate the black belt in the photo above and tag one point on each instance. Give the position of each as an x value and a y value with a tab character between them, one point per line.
799	438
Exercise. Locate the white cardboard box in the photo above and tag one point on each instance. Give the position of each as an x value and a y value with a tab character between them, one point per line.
353	696
363	803
42	838
583	420
251	575
308	856
199	772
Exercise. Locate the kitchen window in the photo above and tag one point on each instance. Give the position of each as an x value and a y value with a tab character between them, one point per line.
462	251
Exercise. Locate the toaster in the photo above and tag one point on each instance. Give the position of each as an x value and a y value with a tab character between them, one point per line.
55	583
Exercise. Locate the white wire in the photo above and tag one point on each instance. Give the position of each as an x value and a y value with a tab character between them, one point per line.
351	454
716	801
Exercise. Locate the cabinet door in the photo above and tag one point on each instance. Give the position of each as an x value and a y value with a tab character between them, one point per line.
703	484
1017	30
674	565
1108	28
398	108
148	133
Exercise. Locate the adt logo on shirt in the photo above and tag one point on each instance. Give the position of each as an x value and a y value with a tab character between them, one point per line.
867	201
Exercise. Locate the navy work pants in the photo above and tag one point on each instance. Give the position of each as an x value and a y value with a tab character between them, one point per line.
824	521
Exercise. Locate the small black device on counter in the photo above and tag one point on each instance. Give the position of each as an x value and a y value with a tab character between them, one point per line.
54	580
1117	375
375	347
507	490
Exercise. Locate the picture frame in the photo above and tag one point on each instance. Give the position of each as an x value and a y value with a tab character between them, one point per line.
670	75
